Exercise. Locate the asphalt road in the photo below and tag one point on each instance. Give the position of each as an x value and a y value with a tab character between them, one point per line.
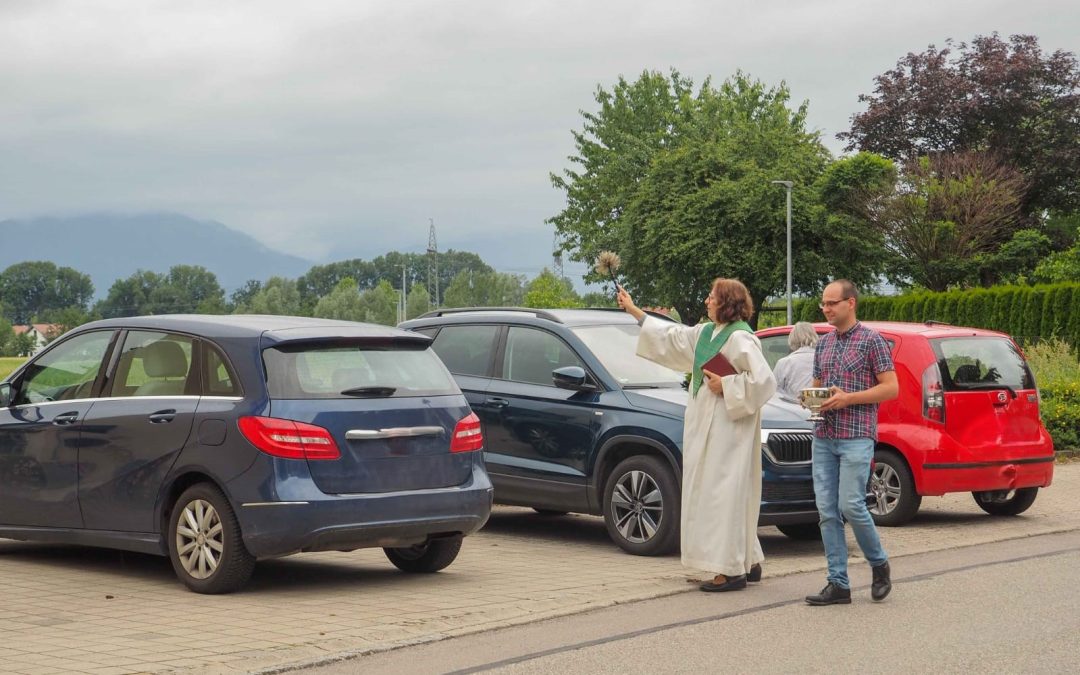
1005	607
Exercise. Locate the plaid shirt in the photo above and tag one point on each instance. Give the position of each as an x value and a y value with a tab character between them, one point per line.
852	362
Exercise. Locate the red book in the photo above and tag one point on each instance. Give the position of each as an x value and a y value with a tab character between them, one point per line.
719	365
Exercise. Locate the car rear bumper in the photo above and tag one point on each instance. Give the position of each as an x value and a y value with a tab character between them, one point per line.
940	478
347	522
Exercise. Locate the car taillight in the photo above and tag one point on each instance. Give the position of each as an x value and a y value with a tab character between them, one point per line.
933	394
289	439
467	436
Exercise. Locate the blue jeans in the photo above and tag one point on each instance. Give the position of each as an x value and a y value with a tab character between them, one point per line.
841	470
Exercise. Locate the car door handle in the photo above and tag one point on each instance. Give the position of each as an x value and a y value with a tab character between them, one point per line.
64	419
496	403
162	416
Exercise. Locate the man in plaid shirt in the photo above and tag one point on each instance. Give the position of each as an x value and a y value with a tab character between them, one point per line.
854	362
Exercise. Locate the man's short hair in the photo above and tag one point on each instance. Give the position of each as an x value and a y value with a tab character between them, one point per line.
848	290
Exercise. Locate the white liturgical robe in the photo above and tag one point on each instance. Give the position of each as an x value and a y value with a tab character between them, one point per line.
721	487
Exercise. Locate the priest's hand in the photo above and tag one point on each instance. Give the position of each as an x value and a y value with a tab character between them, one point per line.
627	303
838	399
714	382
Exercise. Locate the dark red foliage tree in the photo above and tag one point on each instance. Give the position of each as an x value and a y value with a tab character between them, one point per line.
1008	98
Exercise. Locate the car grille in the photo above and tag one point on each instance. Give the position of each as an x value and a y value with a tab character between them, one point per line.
789	448
787	491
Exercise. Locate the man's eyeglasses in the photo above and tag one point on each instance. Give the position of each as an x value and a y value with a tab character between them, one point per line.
831	303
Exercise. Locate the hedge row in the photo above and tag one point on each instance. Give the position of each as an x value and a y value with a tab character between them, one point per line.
1028	313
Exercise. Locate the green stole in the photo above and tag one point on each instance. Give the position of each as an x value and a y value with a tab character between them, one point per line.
708	346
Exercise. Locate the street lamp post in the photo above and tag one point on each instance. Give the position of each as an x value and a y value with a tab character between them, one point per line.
787	184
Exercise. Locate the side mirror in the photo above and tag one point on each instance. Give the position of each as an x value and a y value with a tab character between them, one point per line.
5	395
573	378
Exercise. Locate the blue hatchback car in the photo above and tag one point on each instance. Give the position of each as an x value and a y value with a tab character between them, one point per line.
220	440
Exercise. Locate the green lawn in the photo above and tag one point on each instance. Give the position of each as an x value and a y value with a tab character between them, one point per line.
9	363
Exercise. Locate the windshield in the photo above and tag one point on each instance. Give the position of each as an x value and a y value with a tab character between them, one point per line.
616	347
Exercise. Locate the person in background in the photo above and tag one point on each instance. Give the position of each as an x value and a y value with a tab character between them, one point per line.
721	487
795	371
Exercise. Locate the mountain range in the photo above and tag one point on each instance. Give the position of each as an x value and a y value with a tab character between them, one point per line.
110	247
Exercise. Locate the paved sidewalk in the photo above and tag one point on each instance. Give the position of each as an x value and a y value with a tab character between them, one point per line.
75	610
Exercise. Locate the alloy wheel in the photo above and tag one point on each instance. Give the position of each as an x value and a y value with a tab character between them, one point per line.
637	506
886	489
200	540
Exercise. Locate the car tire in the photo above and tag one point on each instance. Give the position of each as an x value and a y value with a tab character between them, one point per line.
801	531
1020	501
205	543
550	512
895	501
642	505
431	556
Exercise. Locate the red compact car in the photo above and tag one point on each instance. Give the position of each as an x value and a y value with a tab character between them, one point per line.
967	419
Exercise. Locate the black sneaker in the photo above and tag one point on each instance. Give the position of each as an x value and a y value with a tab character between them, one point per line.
882	583
830	595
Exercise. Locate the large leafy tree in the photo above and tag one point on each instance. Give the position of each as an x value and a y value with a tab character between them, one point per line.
678	183
343	302
29	289
548	291
277	296
1007	97
947	217
485	289
130	296
418	302
185	289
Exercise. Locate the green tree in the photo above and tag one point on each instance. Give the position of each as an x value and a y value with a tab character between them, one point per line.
242	296
343	303
30	288
418	301
23	345
379	304
1061	266
7	338
190	288
678	183
130	296
548	291
277	296
485	289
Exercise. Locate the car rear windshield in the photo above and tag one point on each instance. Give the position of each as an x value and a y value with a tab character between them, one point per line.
970	363
616	347
355	371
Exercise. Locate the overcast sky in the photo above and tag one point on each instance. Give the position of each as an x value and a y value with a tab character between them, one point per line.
336	129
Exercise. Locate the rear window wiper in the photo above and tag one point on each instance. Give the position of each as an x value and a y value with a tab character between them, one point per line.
987	386
370	392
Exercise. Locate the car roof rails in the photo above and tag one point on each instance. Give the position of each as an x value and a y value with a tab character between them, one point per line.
539	313
934	322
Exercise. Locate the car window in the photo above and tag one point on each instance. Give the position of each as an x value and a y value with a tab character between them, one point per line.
153	364
355	371
981	363
775	347
466	350
616	347
65	372
532	354
218	378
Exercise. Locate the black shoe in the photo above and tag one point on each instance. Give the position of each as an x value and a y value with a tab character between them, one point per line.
754	575
882	582
728	584
831	595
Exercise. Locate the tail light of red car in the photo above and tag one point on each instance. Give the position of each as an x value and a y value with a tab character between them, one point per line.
289	439
933	394
467	435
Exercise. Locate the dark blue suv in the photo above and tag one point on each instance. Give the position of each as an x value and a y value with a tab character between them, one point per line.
575	421
221	440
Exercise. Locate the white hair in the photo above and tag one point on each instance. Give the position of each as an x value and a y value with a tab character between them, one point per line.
802	335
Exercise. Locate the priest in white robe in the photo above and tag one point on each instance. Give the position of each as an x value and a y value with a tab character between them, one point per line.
721	487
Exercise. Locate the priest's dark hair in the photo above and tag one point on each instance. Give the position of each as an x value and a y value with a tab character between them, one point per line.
733	301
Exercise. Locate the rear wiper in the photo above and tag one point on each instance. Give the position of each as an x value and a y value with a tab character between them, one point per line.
370	392
987	386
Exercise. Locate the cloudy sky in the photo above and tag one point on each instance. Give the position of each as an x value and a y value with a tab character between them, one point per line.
334	129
